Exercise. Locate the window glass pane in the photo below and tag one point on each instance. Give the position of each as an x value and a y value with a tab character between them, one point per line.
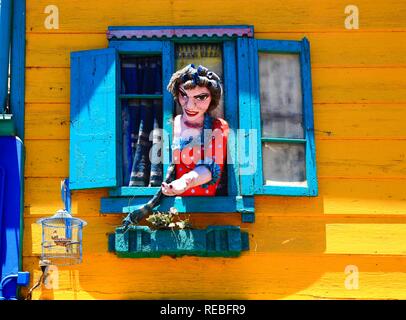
281	95
141	75
141	121
209	55
142	142
283	163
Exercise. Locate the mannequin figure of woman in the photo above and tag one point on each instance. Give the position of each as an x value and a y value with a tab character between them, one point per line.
199	140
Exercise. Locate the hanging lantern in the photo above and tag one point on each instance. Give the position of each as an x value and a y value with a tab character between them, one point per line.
62	234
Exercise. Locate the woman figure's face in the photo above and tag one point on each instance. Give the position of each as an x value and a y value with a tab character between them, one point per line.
194	102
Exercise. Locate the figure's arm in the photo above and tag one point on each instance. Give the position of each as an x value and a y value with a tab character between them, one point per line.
196	177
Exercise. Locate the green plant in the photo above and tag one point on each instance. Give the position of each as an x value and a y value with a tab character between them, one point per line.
170	219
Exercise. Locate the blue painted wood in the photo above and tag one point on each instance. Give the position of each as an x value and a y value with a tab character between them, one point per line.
111	242
133	191
141	47
231	115
119	124
168	68
66	195
94	119
311	171
23	278
214	241
66	199
244	103
17	83
248	217
281	46
286	190
256	118
254	136
166	50
137	48
245	204
6	9
182	204
301	48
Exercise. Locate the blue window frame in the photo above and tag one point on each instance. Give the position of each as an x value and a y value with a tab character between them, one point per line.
149	48
297	141
95	158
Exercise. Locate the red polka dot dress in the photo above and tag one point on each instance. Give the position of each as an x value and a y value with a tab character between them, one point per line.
210	151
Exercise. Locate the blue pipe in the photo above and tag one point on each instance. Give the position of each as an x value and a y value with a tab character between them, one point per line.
6	7
3	282
11	209
2	188
22	278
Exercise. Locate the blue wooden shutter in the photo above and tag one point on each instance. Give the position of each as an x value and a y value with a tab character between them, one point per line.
302	49
93	119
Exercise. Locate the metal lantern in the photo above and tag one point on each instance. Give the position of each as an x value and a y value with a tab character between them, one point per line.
62	235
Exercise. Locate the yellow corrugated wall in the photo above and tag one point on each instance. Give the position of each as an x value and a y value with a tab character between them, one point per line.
300	247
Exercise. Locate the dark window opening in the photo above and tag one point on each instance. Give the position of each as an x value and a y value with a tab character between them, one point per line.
141	114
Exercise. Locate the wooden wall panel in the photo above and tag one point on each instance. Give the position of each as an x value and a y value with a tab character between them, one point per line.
47	158
360	121
43	198
267	16
366	238
346	49
47	121
296	235
53	49
265	276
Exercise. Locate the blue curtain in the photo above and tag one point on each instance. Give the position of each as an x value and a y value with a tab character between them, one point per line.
142	120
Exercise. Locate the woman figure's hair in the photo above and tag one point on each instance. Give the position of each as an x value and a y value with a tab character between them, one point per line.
191	77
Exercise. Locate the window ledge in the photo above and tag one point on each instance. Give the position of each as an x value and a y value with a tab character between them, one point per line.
133	191
214	241
239	204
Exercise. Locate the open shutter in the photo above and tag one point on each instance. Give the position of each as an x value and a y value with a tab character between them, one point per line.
282	112
93	119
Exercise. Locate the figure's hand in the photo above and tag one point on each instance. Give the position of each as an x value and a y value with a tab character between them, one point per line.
174	188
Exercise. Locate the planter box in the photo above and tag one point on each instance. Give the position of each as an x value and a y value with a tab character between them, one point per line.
214	241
